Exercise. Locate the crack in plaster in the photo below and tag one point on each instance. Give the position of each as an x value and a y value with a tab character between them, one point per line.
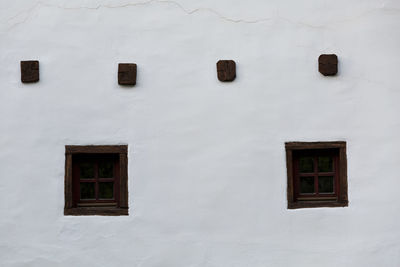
28	11
191	12
170	2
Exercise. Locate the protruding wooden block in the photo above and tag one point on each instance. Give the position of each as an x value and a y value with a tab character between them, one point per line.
328	64
29	71
226	70
127	73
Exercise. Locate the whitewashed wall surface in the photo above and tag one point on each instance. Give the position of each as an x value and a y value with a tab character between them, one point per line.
207	170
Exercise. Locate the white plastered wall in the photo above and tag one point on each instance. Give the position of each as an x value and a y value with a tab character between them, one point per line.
207	171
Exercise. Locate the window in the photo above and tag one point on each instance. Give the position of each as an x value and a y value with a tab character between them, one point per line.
96	180
317	174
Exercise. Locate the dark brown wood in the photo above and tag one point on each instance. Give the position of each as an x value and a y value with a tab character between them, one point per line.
76	154
289	166
127	73
30	71
68	182
315	153
328	64
316	198
226	70
123	159
314	145
92	149
339	198
316	204
106	204
95	160
104	211
343	176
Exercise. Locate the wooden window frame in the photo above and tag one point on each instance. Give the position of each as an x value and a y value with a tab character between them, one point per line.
121	208
339	199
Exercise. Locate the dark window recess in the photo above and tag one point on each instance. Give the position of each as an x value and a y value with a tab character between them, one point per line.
96	180
317	174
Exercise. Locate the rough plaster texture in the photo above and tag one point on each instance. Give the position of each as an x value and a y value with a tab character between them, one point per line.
207	173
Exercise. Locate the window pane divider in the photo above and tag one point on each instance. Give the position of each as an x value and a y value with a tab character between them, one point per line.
106	180
335	150
116	206
306	174
316	198
87	180
326	174
97	204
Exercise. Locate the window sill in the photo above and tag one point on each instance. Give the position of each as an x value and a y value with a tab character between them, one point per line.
316	204
103	211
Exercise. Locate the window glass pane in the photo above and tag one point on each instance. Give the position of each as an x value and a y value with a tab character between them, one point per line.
106	169
306	185
87	191
86	170
106	190
325	184
325	164
306	164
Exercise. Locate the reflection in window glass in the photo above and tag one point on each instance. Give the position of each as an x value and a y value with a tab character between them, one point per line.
325	164
106	170
325	184
87	190
106	190
306	164
307	185
86	170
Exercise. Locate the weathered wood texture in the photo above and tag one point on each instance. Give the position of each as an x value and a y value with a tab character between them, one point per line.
328	65
123	158
104	211
342	198
29	71
226	70
316	204
127	73
289	167
314	145
68	182
92	149
72	209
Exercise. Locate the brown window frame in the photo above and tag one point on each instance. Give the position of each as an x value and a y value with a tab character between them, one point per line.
113	207
337	150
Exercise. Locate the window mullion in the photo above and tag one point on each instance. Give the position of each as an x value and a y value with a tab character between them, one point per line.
316	175
336	176
96	175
